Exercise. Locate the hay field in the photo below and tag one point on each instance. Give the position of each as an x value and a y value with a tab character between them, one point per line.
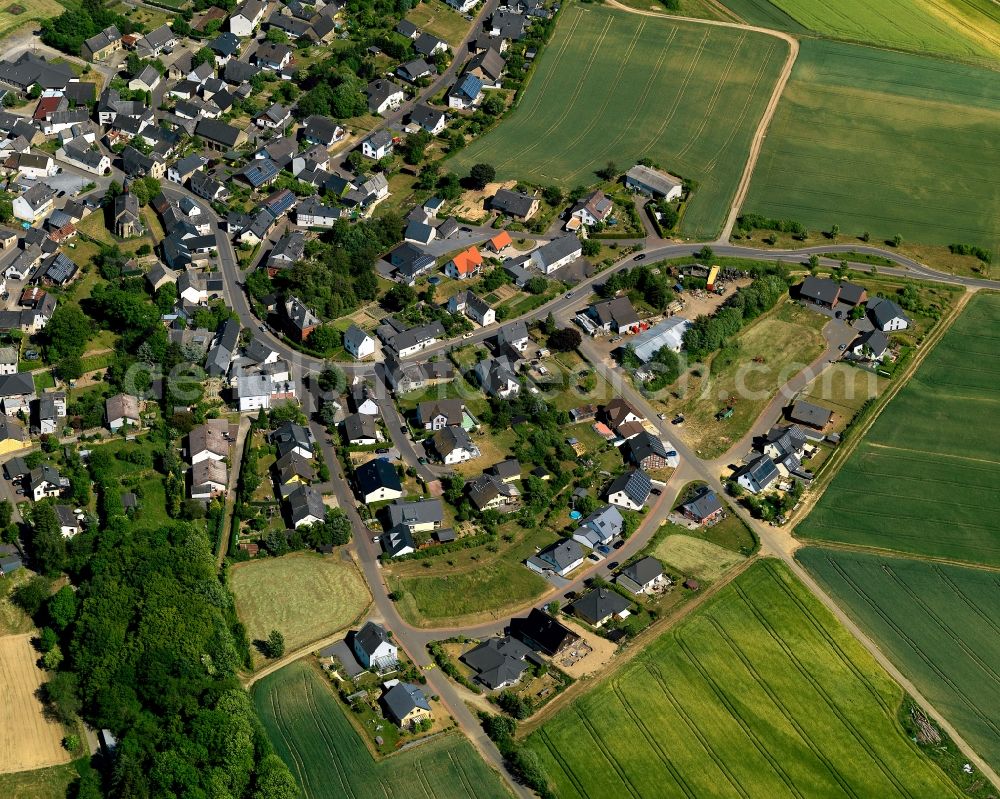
924	479
28	740
961	28
308	728
618	87
304	595
758	693
940	625
884	142
695	557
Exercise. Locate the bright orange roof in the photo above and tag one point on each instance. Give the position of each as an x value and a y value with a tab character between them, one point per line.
501	240
467	260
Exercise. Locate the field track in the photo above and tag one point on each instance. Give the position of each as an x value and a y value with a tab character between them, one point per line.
28	740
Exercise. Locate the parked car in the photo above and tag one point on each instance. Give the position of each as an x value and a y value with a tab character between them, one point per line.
618	545
639	257
604	550
655	492
678	419
376	539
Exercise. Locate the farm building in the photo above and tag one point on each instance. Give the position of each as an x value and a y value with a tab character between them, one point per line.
669	333
655	182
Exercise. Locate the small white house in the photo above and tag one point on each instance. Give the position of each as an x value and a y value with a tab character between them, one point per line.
378	145
247	16
373	648
358	343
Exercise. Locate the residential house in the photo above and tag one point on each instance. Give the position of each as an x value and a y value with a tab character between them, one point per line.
600	528
246	17
593	209
301	320
453	444
419	232
274	117
156	42
439	414
13	436
654	182
374	648
35	203
209	441
406	705
8	360
630	490
476	309
810	415
514	335
872	345
208	188
466	93
758	475
101	45
619	411
292	437
44	415
465	264
498	662
643	576
69	524
224	47
378	145
488	492
886	315
219	136
430	119
418	516
497	378
487	66
44	481
463	6
360	429
616	315
311	212
543	633
305	506
293	470
648	452
412	376
410	262
704	507
414	70
499	242
384	95
121	410
209	479
560	558
147	80
377	481
321	130
557	253
428	45
358	343
362	400
408	341
397	542
600	605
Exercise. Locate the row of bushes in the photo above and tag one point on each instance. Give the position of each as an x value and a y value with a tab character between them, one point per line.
982	254
448	667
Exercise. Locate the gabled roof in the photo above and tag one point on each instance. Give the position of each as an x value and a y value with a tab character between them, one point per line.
358	426
403	698
411	513
643	571
306	501
376	474
452	438
703	504
642	446
370	637
541	630
636	485
596	605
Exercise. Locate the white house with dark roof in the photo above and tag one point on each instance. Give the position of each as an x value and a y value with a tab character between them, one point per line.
374	648
886	315
758	475
600	527
557	253
642	577
358	343
514	335
630	490
561	558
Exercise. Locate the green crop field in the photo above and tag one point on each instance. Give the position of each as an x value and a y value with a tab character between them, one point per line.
940	624
884	142
307	725
305	596
759	693
962	28
924	479
619	87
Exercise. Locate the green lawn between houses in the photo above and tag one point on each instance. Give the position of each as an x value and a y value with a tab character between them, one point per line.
759	693
619	87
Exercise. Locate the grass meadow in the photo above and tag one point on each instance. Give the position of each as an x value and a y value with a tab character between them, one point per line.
305	596
961	28
309	730
620	87
940	624
759	693
884	142
924	479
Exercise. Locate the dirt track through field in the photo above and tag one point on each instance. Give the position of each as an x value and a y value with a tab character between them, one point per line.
28	740
772	104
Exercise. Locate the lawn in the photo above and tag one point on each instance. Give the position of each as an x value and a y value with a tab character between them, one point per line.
13	620
620	87
939	624
844	388
41	783
962	28
35	9
485	587
924	479
695	557
308	728
759	693
305	596
884	142
435	17
771	351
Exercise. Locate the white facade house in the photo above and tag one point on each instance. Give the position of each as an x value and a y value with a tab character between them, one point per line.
463	6
378	145
246	18
373	647
358	343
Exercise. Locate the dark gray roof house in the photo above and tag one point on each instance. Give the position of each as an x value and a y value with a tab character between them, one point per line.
513	203
402	699
631	489
498	662
415	514
809	414
376	474
599	605
561	558
639	576
543	633
758	475
703	505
